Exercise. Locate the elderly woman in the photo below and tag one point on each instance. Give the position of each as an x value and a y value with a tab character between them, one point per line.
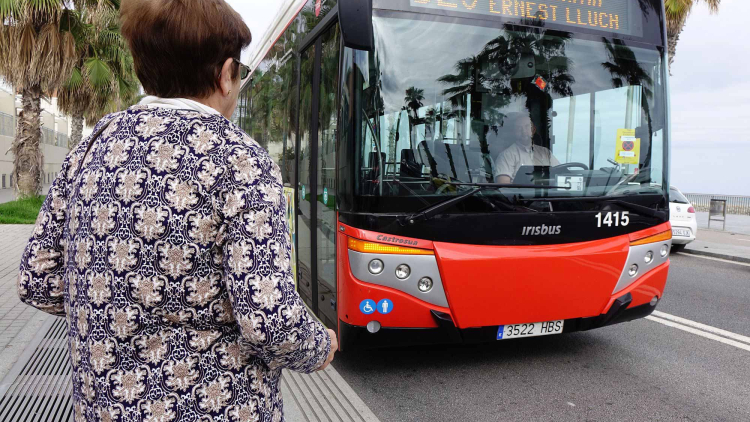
164	241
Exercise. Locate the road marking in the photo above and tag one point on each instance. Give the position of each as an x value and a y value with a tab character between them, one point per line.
703	327
712	258
744	240
701	333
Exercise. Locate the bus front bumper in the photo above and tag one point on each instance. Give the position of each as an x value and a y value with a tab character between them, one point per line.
356	337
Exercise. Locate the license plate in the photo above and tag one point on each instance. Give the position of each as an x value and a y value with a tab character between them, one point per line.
681	232
572	183
532	329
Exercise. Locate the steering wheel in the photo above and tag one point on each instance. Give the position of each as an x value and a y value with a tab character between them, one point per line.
568	166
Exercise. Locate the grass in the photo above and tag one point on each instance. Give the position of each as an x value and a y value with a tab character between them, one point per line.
22	211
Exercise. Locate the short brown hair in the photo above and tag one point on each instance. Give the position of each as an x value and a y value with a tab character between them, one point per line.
180	46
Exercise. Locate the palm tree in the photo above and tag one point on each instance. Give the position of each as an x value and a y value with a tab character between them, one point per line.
103	78
491	72
413	100
677	14
36	58
625	70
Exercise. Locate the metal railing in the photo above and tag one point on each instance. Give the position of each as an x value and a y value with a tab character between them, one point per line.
50	137
7	125
736	204
62	140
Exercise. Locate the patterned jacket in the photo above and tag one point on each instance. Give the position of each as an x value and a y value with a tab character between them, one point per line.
169	255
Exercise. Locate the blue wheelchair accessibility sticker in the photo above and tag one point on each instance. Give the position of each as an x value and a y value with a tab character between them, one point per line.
385	306
367	306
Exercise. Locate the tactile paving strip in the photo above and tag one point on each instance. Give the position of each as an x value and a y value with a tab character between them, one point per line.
322	396
38	387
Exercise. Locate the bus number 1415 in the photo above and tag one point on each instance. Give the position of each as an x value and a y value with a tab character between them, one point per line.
613	218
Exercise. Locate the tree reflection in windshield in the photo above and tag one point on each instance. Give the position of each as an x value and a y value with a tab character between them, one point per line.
435	94
507	67
627	72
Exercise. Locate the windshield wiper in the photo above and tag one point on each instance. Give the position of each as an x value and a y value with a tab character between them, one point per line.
636	208
478	187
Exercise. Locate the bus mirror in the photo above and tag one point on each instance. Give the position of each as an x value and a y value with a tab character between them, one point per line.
355	18
642	132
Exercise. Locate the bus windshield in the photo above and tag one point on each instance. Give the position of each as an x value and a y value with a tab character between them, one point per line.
445	101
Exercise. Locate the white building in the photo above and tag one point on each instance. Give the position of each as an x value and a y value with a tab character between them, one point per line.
56	129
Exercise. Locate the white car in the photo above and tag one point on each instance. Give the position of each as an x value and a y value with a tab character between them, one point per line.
682	217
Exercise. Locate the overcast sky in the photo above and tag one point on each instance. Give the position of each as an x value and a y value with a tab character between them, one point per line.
711	102
258	15
710	96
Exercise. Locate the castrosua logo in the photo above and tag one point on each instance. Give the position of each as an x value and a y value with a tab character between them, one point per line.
542	230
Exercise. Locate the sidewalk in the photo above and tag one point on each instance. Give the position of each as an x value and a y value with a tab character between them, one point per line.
18	322
718	244
322	396
733	244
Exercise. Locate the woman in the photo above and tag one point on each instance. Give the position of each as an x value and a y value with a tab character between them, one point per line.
164	240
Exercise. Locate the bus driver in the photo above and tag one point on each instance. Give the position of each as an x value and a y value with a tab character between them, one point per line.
523	152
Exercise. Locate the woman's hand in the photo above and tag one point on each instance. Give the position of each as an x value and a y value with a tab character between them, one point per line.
334	347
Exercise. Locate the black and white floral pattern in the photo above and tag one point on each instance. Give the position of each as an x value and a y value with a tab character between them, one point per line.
169	255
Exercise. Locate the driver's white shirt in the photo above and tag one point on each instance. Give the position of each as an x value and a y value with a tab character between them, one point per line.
518	155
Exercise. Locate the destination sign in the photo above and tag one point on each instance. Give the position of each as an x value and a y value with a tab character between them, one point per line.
602	15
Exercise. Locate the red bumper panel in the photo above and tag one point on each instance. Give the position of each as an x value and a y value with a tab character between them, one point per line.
407	311
496	285
650	285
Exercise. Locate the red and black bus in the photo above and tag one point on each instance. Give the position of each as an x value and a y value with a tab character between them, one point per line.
469	170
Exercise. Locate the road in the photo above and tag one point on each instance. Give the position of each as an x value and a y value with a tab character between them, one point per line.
638	371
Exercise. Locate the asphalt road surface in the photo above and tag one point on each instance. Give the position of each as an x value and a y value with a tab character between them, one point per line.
646	370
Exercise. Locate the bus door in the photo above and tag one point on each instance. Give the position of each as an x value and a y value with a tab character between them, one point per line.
316	213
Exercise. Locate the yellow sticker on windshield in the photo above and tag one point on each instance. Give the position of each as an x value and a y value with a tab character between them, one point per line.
628	150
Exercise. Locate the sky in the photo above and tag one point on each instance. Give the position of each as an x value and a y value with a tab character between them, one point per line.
710	95
258	15
711	102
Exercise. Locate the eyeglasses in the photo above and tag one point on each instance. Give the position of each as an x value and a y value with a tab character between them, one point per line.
244	70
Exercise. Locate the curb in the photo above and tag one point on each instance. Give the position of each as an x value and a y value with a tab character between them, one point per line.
729	232
716	255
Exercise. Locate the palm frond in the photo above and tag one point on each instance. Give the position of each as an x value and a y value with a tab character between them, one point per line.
76	80
44	7
98	72
9	8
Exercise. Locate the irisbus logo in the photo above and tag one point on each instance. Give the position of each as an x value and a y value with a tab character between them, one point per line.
541	230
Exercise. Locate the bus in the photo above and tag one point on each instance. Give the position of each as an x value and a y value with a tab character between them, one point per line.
469	170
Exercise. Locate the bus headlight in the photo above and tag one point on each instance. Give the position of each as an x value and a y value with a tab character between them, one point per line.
425	284
376	266
664	250
403	272
649	258
633	270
